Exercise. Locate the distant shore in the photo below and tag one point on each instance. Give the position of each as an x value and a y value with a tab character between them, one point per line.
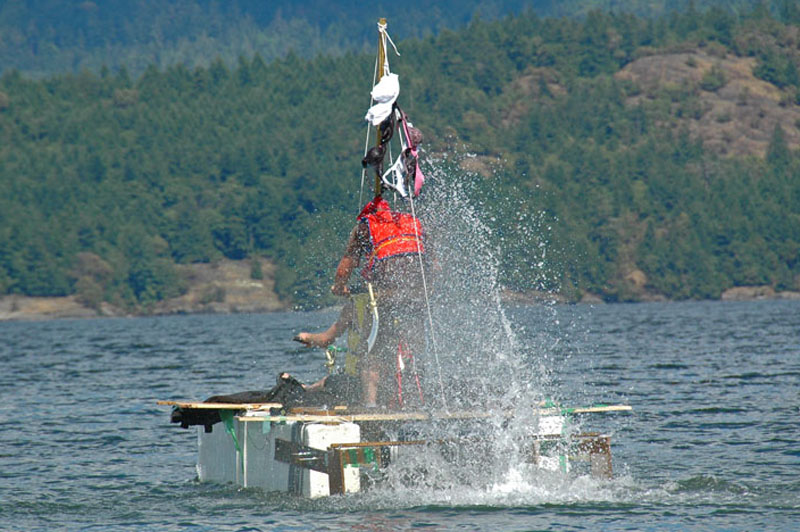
23	308
738	293
222	287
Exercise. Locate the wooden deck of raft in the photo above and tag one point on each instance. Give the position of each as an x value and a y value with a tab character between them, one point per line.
342	414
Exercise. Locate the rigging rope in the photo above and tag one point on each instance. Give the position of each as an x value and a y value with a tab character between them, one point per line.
366	141
384	37
428	308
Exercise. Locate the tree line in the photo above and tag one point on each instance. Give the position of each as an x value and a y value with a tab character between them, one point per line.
45	37
109	180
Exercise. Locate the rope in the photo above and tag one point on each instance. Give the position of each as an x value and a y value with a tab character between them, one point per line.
428	308
366	140
385	36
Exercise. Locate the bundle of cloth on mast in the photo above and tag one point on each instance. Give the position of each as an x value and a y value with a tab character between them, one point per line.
385	318
385	114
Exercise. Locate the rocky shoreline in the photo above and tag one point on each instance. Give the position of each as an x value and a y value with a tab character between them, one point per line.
237	295
23	308
223	287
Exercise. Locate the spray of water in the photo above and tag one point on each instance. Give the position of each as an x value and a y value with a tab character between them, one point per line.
479	363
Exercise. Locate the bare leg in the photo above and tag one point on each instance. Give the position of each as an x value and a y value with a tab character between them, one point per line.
323	339
320	384
369	383
317	386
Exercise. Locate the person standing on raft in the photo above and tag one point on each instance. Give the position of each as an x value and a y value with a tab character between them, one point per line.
391	243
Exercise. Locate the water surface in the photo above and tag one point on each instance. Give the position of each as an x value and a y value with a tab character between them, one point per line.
712	443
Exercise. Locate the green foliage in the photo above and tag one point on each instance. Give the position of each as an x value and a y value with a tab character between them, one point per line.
108	181
778	69
255	269
43	37
713	80
778	154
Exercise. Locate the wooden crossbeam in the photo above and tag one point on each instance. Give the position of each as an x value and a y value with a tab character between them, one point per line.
597	447
301	455
338	417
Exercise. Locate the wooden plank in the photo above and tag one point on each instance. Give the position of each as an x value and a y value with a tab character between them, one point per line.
377	444
317	411
598	447
336	472
338	415
300	455
221	406
436	416
349	418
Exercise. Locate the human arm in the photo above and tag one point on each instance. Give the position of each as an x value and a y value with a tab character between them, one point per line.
327	337
349	261
343	271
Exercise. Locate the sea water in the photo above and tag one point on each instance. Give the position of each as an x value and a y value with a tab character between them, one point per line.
713	442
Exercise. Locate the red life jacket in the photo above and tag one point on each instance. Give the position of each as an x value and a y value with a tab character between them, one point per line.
393	234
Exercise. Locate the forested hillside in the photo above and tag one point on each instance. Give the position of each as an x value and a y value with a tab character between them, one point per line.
41	37
108	180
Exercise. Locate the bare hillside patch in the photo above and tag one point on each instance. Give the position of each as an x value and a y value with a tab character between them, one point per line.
735	112
225	286
535	84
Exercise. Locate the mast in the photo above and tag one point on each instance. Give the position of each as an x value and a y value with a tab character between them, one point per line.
380	65
400	169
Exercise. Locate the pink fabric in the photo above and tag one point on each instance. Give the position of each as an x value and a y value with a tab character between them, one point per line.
419	178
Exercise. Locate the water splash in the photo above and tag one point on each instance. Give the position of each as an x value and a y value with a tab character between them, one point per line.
486	363
479	357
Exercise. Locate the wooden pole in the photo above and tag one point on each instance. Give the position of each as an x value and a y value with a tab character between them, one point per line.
336	473
381	61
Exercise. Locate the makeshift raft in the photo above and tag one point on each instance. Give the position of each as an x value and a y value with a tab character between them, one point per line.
317	452
314	452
